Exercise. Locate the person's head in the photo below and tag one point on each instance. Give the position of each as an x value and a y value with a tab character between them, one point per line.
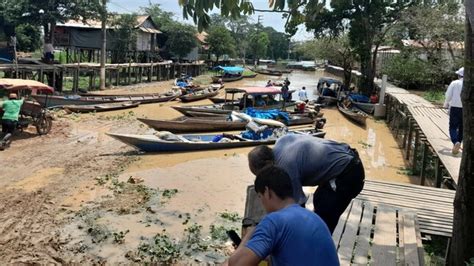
304	88
12	96
260	157
460	72
273	185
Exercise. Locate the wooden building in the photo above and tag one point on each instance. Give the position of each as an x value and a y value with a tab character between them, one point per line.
83	39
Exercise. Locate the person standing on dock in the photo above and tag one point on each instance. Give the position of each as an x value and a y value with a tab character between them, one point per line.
453	102
332	166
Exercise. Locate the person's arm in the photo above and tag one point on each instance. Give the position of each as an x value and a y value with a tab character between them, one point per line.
256	245
448	95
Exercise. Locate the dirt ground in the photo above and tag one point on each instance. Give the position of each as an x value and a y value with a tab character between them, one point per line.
78	196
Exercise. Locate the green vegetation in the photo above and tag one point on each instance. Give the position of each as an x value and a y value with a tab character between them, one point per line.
169	193
119	238
160	249
219	232
231	216
435	96
220	41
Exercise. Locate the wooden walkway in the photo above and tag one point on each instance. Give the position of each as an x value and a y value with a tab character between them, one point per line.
377	234
433	206
433	121
383	225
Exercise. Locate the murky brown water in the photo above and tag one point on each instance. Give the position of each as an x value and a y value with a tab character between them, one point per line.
212	182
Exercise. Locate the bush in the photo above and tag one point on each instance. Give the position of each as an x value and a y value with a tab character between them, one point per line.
28	38
411	72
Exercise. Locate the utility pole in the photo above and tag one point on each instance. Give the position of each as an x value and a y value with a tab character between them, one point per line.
259	19
103	50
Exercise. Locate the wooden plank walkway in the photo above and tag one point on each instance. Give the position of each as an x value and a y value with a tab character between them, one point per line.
433	206
433	122
377	234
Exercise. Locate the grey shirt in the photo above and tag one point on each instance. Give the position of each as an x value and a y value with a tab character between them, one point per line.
310	161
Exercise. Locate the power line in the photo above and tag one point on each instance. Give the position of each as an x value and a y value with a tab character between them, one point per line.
120	6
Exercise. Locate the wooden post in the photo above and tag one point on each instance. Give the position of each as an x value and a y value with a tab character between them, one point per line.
41	75
415	149
117	80
90	81
150	73
129	73
110	76
409	140
438	172
423	162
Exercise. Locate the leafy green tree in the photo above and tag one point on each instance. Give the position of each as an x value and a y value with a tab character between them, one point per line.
47	13
220	41
279	43
337	51
125	37
28	37
258	43
177	39
181	39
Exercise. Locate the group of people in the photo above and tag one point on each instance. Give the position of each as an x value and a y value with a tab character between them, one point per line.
291	234
11	111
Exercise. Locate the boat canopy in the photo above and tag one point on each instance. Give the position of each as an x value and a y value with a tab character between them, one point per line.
255	90
23	84
230	69
330	81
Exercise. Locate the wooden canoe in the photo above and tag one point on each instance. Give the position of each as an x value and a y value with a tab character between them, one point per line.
58	101
197	142
365	107
226	108
353	114
196	96
250	76
267	72
210	124
103	107
216	79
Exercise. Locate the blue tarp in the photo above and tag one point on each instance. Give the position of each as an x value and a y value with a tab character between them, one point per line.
359	98
330	81
268	114
230	69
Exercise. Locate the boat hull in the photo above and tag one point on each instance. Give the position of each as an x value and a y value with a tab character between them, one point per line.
216	79
353	114
196	97
58	101
210	124
100	107
151	143
366	107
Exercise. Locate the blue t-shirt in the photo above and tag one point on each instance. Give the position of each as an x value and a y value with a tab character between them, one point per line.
310	161
294	236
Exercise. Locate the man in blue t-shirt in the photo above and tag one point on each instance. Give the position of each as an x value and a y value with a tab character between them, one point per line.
289	234
332	166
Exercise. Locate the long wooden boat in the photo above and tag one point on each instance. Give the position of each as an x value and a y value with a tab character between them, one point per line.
353	114
200	95
209	124
100	107
218	78
197	142
250	76
223	108
267	72
365	107
327	100
58	101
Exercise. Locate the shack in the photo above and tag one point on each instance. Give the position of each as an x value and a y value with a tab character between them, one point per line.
82	39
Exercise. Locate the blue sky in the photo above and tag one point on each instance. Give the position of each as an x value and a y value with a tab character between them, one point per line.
269	19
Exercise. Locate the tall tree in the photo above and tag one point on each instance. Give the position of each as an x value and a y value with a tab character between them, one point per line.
125	37
279	43
220	41
462	245
181	39
28	37
177	39
336	50
47	13
258	44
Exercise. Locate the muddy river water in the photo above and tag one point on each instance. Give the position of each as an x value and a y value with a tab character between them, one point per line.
210	183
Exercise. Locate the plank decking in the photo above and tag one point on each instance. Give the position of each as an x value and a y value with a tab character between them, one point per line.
377	234
433	122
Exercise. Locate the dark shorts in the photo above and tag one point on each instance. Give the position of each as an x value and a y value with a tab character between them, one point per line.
8	126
